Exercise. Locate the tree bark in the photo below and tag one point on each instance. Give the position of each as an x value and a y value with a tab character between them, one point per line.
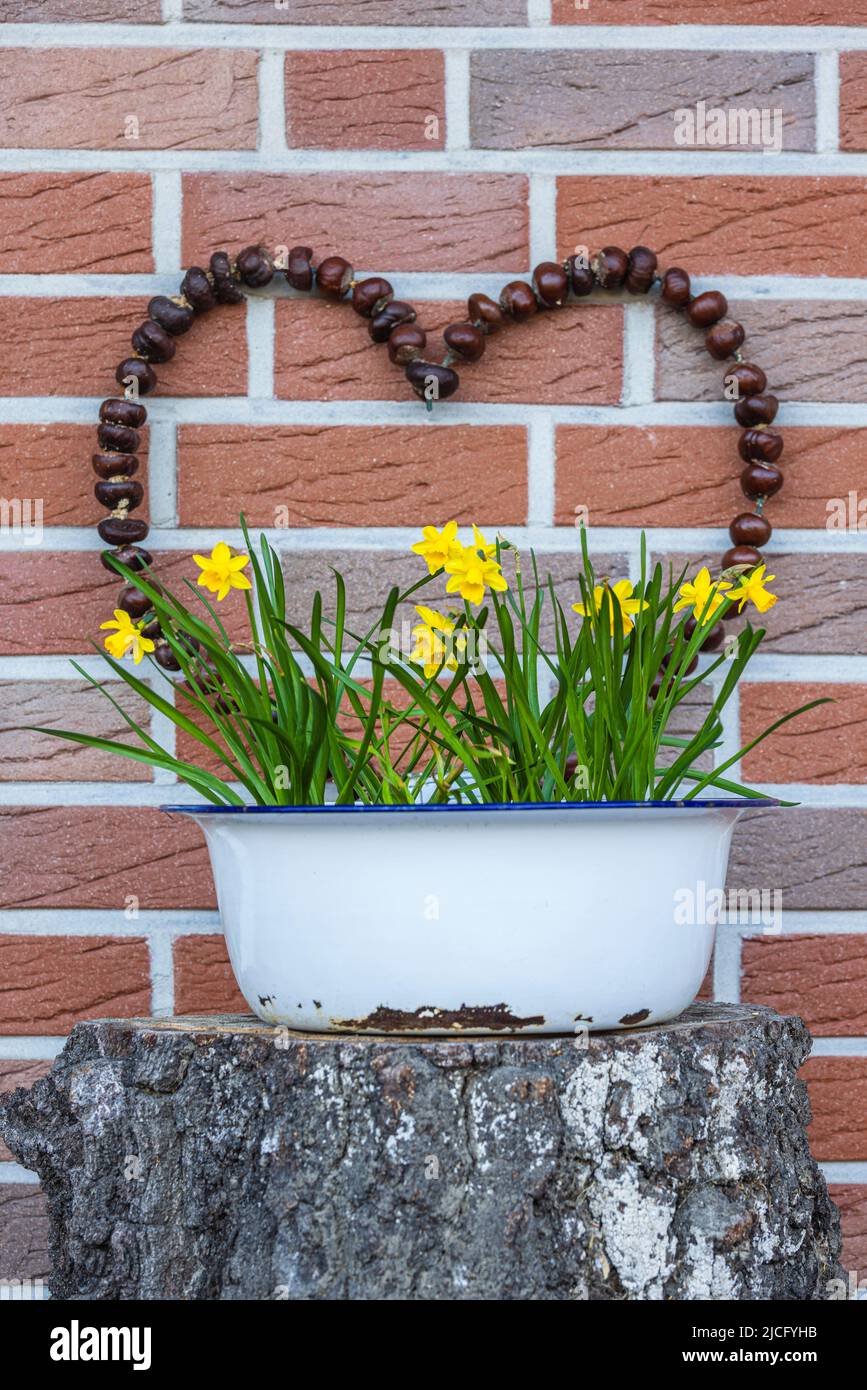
220	1158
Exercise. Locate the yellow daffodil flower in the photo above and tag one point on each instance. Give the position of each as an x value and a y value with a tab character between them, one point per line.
752	588
430	649
221	570
621	598
436	546
479	543
472	568
127	637
703	596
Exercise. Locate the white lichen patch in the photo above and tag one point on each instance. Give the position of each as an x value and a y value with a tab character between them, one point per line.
582	1105
635	1225
710	1277
643	1079
97	1095
402	1135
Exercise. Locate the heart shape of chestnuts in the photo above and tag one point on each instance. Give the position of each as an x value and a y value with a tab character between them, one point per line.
393	322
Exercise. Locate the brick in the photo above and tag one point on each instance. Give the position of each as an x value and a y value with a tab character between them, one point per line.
80	11
851	1198
12	1075
366	100
816	857
686	719
369	574
24	1252
71	347
628	99
649	476
354	476
32	757
692	12
128	99
827	744
366	12
384	222
823	598
323	353
66	223
853	101
54	982
51	464
204	982
54	602
795	226
838	1099
811	351
100	856
822	978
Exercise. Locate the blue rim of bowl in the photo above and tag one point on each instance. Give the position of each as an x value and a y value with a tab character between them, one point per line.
725	803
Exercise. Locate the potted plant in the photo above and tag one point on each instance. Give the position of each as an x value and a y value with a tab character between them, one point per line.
471	826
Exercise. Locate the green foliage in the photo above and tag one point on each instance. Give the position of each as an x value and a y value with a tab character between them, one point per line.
313	721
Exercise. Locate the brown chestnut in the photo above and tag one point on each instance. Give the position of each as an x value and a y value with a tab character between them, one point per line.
117	410
225	285
166	658
749	379
142	373
518	300
675	287
371	295
395	312
760	480
174	318
760	446
334	276
707	308
112	492
406	342
484	312
118	439
299	268
610	266
133	601
724	339
581	277
756	410
255	267
118	530
133	556
551	284
430	380
748	528
111	465
466	340
198	290
153	343
741	555
641	270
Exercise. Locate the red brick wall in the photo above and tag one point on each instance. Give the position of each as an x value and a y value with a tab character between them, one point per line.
449	147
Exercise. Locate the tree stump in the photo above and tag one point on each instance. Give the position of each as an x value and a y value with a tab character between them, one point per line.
220	1158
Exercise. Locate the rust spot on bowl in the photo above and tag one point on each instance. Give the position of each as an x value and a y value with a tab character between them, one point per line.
489	1017
630	1020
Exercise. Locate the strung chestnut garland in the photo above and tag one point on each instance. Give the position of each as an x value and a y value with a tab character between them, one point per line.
393	322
